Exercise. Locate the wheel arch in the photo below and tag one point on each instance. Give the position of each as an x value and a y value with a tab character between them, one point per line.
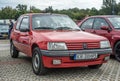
33	46
114	45
116	53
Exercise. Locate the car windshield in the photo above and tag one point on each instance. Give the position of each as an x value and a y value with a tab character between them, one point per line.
2	21
4	28
53	22
115	22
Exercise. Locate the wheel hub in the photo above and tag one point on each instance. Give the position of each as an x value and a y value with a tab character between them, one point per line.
36	62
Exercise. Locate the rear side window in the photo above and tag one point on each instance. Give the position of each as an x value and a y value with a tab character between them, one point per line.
99	22
87	24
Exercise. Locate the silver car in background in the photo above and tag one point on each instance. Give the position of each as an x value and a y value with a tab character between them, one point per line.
4	28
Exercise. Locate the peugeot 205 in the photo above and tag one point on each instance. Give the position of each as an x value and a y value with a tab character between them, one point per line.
55	41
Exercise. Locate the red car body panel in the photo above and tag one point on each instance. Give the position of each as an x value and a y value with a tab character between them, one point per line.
25	41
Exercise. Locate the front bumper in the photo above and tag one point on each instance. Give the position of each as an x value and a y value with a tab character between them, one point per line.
72	52
67	61
3	35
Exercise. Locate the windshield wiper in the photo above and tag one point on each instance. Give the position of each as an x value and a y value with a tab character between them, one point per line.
43	28
59	28
64	28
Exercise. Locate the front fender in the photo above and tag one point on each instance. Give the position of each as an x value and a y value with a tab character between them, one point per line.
115	39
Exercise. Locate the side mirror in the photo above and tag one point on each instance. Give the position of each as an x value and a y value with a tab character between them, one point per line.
105	28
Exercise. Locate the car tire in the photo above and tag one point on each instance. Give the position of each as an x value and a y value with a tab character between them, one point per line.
13	51
95	66
117	51
37	62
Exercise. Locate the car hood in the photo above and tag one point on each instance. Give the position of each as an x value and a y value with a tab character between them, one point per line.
70	36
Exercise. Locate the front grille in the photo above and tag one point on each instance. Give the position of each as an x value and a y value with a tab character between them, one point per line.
79	45
93	45
3	32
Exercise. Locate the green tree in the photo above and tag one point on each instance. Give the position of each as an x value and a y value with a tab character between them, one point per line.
34	9
109	6
8	13
21	8
49	9
93	11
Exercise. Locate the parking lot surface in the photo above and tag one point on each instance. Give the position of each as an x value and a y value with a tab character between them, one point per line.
20	69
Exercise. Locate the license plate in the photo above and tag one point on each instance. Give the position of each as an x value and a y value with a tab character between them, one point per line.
85	56
4	35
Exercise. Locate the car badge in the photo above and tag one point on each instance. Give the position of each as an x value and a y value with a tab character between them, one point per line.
85	46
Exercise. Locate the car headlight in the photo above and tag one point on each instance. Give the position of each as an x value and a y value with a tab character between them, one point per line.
56	46
104	44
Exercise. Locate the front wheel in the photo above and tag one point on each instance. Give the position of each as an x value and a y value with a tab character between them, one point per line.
13	51
37	63
95	66
117	51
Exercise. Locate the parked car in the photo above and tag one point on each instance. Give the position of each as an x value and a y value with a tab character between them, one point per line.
4	28
107	26
55	41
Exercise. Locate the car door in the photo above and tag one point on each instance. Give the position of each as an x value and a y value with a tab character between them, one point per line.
24	35
98	23
87	25
16	34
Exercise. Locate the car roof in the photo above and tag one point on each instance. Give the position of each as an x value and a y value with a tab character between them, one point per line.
44	14
105	16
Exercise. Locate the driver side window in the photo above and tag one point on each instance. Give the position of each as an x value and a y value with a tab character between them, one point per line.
99	22
24	23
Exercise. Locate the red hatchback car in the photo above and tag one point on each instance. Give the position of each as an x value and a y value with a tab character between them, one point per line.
107	26
55	41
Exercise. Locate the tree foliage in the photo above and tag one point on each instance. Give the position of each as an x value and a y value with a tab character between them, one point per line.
7	13
75	13
49	9
109	7
33	9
